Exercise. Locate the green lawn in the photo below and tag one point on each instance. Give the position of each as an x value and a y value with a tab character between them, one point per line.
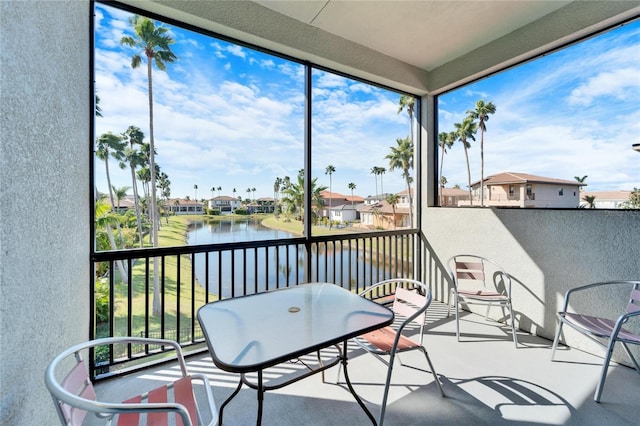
173	233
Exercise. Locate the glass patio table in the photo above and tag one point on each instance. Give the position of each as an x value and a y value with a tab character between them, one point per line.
251	333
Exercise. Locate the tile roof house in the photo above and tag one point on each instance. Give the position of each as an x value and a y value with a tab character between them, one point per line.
509	189
606	199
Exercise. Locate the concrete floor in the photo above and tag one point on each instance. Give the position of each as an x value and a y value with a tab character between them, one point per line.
487	381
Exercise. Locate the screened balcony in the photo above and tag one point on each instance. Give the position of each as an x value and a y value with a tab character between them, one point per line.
46	200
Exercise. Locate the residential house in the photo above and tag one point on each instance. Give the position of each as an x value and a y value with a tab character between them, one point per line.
181	206
509	189
605	199
451	197
225	204
346	213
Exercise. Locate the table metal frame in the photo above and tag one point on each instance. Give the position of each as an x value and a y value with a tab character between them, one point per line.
315	316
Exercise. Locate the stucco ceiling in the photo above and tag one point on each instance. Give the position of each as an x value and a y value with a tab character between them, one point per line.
425	34
419	46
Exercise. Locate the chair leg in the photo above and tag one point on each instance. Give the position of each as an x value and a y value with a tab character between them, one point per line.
633	358
386	390
457	318
605	368
556	339
433	371
451	301
513	326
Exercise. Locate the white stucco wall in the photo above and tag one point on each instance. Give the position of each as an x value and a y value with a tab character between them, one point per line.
44	198
546	252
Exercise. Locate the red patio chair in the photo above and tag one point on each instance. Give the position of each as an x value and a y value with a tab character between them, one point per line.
479	281
603	331
74	395
410	307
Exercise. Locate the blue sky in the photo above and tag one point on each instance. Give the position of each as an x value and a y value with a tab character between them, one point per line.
572	113
232	117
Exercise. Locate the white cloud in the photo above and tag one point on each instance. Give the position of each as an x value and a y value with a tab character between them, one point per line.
622	84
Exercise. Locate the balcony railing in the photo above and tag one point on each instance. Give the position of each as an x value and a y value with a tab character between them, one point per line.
191	276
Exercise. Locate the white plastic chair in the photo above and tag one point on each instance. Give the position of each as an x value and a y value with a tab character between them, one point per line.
603	331
74	396
473	286
410	307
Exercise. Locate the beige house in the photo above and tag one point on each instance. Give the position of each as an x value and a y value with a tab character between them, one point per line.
509	189
450	197
605	199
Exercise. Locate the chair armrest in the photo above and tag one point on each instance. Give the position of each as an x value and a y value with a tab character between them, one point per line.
590	286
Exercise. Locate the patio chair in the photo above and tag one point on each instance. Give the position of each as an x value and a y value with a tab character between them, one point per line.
74	396
410	307
603	331
479	281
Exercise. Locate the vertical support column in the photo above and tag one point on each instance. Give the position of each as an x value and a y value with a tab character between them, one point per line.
307	171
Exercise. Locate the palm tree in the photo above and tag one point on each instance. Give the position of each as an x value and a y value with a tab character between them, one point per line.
120	194
329	171
294	196
465	131
253	191
408	103
105	218
155	43
165	191
590	200
234	193
393	199
219	189
381	172
352	186
580	179
276	190
445	141
98	109
195	189
401	157
481	113
110	145
213	190
135	159
374	172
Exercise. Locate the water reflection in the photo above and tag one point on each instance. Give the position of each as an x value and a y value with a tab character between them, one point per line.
256	270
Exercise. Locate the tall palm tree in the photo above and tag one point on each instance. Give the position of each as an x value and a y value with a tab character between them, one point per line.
381	172
195	189
374	172
580	179
481	113
393	199
330	170
465	131
213	190
165	191
155	43
401	157
253	191
219	189
110	145
134	158
408	103
276	190
445	141
352	186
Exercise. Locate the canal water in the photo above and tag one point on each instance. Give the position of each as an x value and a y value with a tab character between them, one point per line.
263	263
